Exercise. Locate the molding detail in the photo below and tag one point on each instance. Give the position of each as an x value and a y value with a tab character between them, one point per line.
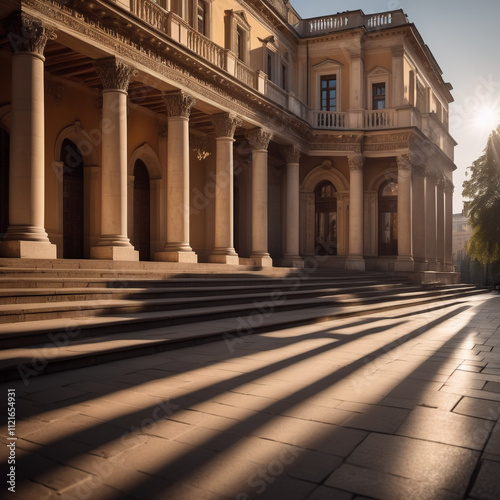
178	104
225	124
27	33
259	139
115	74
292	154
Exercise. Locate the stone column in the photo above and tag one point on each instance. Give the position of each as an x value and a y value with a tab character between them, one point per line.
430	221
440	224
178	248
114	243
225	125
355	260
418	218
292	158
357	88
448	227
26	236
405	257
259	142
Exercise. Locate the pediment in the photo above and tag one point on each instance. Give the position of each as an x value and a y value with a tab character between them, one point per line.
328	63
378	71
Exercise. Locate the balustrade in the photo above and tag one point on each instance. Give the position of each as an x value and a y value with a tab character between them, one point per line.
380	118
329	120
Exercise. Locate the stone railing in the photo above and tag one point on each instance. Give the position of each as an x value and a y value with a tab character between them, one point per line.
151	12
355	19
328	120
380	118
244	74
276	94
205	48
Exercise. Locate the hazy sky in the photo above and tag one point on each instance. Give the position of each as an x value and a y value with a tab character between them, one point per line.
464	37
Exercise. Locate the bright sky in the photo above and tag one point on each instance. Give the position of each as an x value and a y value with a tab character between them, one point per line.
464	37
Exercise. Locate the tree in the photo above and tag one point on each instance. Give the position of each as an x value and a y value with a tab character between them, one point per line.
483	191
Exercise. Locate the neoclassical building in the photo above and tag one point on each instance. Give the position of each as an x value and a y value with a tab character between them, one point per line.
225	131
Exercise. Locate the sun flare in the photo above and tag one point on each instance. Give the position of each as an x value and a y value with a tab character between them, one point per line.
488	118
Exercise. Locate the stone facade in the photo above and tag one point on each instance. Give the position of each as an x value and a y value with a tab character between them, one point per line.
227	132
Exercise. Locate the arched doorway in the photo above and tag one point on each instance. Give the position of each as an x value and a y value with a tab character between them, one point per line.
4	181
325	219
142	204
388	218
72	200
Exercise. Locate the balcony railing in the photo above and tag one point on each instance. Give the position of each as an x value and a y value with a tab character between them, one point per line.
353	19
328	120
150	12
380	118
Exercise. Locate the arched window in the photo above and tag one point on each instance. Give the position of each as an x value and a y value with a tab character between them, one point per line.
326	219
142	203
72	200
388	218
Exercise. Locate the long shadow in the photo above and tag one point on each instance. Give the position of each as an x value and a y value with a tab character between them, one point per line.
190	460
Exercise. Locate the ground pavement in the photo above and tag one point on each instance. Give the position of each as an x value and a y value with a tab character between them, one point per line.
402	404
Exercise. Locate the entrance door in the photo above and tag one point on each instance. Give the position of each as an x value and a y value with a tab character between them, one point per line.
326	219
4	182
388	219
72	200
142	202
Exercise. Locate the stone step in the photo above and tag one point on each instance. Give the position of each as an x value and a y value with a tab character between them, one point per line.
93	319
68	347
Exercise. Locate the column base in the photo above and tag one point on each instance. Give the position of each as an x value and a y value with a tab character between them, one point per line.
261	260
230	259
405	263
114	253
176	256
28	249
293	261
355	263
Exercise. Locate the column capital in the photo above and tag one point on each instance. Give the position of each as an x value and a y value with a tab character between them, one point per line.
259	139
356	162
27	33
292	154
404	163
178	104
225	124
114	74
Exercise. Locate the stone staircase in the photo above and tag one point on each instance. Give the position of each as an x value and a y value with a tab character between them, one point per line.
56	315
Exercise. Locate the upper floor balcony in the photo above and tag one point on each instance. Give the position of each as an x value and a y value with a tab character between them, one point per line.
155	13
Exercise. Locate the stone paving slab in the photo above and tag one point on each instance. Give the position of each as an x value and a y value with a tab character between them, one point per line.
400	404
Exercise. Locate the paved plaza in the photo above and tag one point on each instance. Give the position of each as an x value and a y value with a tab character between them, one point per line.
402	404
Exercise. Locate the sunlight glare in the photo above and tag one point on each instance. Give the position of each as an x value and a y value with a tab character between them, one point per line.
488	118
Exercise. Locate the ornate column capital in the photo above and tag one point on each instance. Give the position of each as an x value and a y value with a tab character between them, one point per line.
259	139
178	104
114	74
27	33
292	154
356	162
404	163
225	124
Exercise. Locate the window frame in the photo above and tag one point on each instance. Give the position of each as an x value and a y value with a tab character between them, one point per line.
328	67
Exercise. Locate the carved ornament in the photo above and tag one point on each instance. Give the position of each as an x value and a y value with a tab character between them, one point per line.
178	104
114	74
225	124
259	139
27	33
292	154
404	162
356	162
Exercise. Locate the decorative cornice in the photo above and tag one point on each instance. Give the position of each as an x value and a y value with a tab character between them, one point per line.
225	124
114	74
259	139
178	104
292	154
27	33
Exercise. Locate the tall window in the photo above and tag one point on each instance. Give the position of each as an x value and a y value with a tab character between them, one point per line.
239	43
378	94
329	93
388	218
202	17
326	219
284	76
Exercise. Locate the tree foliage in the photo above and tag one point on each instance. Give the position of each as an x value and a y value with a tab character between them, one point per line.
482	189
